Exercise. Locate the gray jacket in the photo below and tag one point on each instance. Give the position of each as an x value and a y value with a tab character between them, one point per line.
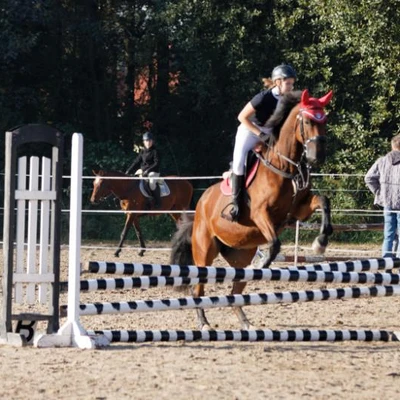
383	180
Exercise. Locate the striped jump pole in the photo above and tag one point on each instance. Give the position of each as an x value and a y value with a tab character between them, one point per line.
313	259
236	300
266	335
191	271
242	275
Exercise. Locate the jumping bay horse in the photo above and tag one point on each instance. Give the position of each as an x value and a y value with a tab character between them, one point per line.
131	199
279	194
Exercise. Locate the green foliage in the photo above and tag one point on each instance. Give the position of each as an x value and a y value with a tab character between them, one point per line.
106	155
75	65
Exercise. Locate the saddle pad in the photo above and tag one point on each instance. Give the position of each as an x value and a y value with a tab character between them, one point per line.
225	186
164	188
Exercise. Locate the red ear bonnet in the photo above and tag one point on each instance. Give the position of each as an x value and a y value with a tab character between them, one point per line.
314	108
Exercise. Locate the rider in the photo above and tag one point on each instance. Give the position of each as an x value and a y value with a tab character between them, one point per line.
253	117
148	161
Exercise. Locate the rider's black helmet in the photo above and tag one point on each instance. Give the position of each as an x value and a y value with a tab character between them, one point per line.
148	136
283	71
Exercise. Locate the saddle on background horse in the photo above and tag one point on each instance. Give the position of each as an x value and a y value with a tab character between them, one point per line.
164	188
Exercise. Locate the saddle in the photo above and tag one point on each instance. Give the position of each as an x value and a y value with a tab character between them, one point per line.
164	188
251	168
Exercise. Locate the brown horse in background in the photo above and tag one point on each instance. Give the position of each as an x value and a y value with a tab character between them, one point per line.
280	193
131	199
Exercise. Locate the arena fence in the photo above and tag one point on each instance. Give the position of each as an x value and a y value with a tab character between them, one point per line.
72	332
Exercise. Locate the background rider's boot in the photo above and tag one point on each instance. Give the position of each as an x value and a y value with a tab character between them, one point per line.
237	195
157	197
150	199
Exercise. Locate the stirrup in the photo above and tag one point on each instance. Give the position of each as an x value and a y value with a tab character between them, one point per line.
228	216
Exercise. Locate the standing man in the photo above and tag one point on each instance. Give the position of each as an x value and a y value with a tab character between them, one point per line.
383	179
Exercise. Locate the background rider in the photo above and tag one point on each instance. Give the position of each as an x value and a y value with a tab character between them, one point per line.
148	162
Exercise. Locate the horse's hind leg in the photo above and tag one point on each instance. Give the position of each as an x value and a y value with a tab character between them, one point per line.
204	250
130	220
239	259
202	320
244	322
139	235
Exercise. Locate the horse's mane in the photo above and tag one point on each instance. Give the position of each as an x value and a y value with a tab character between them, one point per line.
285	105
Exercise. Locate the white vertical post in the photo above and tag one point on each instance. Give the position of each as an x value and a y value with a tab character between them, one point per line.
72	333
20	245
32	228
296	243
75	228
44	230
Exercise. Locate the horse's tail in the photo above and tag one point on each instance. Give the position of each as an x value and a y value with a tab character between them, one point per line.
181	253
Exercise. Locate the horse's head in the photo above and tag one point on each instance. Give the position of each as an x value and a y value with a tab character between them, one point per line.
101	187
310	129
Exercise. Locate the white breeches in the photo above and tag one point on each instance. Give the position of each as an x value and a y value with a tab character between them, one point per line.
245	140
153	181
152	175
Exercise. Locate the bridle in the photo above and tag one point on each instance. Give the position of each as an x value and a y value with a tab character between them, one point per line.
103	182
301	176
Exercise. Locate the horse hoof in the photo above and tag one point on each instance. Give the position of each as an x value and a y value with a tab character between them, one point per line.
206	328
265	263
116	254
140	254
319	245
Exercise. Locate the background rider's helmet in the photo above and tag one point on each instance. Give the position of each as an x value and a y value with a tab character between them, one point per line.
148	136
283	71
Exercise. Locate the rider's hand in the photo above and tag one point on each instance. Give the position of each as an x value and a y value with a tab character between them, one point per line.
265	131
139	172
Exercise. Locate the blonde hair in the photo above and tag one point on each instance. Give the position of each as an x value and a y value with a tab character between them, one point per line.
268	83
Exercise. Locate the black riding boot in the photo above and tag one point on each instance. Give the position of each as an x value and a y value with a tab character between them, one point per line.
157	197
147	189
237	195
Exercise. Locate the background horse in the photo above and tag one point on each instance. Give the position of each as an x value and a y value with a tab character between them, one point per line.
279	194
131	199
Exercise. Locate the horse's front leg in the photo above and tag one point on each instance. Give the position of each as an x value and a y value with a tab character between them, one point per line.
130	219
306	209
321	241
264	223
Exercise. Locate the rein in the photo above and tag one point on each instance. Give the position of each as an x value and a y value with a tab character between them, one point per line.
301	178
128	191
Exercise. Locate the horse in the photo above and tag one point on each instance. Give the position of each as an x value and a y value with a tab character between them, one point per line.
131	198
279	194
